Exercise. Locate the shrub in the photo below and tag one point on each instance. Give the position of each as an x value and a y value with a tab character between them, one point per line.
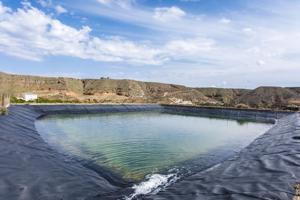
43	100
16	100
3	111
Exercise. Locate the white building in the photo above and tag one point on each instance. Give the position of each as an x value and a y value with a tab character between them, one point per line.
29	97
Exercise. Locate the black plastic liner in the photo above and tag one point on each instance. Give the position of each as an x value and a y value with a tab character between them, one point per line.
30	169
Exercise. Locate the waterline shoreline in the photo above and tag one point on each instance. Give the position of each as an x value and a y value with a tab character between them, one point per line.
20	140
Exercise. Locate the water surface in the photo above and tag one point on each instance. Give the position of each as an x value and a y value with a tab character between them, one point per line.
138	144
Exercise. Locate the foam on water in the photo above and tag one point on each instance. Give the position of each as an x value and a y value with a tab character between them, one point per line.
153	184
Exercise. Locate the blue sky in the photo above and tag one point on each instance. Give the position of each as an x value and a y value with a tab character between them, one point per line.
214	43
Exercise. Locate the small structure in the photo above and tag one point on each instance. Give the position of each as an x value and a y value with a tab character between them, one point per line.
29	97
4	101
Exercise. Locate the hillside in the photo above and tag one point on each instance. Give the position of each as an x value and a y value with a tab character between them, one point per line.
131	91
225	96
269	97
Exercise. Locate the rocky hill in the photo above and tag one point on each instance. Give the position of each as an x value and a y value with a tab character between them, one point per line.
227	97
268	97
131	91
19	83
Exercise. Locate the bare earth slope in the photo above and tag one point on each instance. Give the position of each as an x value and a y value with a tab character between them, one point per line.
226	96
131	91
269	97
18	84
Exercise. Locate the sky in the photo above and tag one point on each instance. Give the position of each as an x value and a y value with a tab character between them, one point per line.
198	43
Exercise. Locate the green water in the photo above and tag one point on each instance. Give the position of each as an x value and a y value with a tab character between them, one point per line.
137	144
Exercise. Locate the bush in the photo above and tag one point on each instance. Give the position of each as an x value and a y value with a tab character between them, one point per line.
16	100
3	111
43	100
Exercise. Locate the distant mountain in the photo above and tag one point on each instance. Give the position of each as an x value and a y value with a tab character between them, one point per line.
106	90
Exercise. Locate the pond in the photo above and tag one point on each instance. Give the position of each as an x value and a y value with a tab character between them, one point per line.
143	143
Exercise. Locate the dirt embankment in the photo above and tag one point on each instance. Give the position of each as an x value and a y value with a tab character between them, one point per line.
130	91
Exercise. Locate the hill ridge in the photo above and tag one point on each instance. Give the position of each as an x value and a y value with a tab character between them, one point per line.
105	90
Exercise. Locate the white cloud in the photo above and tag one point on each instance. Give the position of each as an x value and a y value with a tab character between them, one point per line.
3	10
120	3
225	21
45	3
105	1
206	46
60	10
189	47
49	4
31	34
168	13
159	19
248	30
260	62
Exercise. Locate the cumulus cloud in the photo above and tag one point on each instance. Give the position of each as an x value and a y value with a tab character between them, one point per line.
166	14
31	34
60	10
3	10
235	47
206	46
